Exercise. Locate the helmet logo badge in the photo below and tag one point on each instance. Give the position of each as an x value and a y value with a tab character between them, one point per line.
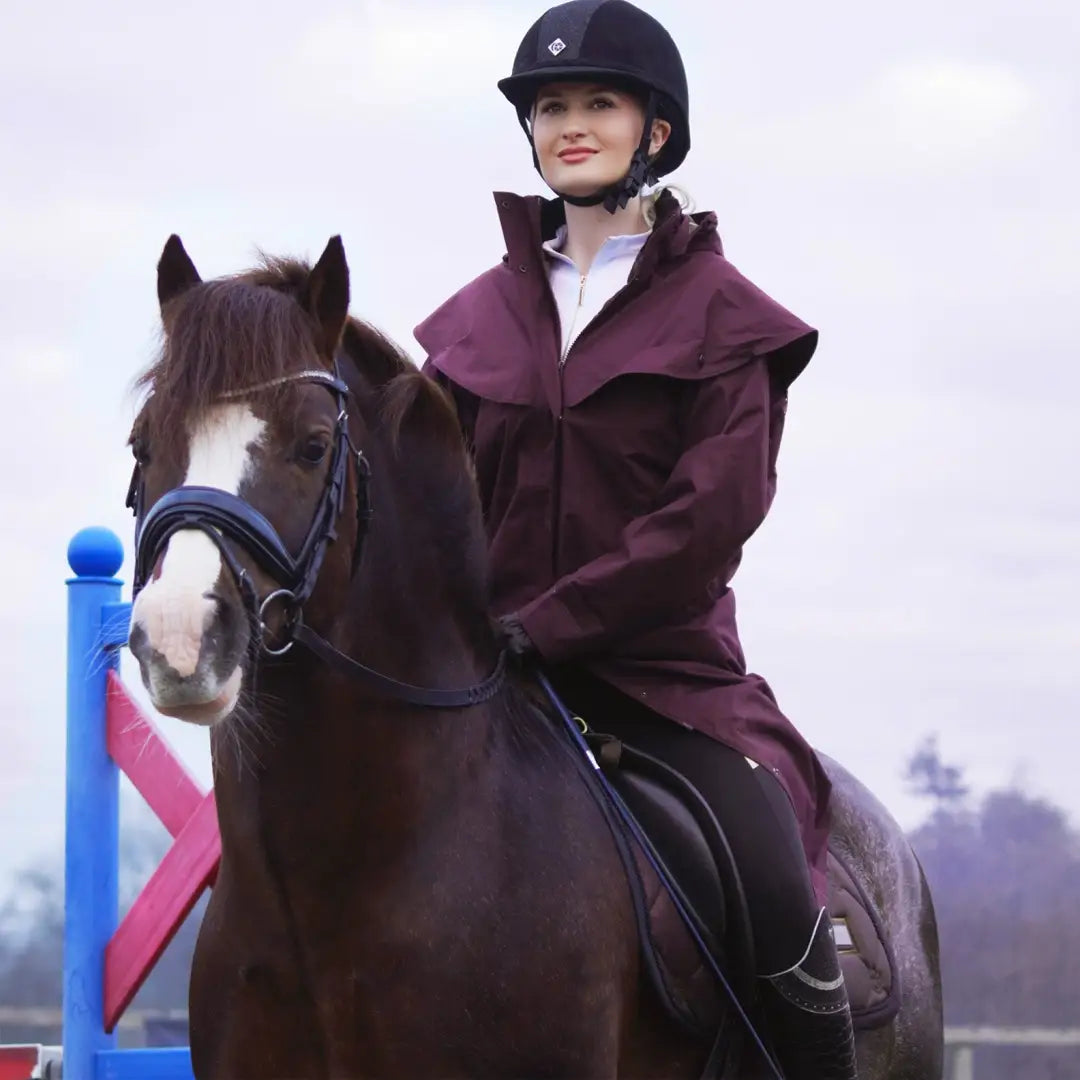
556	46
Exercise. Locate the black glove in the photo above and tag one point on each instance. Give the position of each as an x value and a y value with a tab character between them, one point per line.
518	642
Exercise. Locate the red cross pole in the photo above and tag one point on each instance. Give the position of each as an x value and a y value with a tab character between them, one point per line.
189	866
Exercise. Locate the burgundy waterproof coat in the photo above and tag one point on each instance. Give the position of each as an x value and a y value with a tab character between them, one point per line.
619	487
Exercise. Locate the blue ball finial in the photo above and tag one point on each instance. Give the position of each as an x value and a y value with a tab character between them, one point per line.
95	552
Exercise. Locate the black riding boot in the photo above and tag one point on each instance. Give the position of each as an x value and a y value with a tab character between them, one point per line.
808	1015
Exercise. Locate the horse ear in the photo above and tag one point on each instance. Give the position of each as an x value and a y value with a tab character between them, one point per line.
326	296
176	272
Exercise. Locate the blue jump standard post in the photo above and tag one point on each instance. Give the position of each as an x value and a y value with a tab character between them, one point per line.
97	628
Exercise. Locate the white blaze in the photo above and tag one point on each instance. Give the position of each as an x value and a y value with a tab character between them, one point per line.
173	609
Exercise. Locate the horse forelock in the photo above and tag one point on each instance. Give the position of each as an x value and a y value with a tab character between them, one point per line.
244	330
225	335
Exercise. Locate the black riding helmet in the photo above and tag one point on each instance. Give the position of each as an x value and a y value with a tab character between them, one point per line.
616	43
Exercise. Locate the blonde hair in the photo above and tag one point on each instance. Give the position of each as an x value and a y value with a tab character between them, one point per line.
650	199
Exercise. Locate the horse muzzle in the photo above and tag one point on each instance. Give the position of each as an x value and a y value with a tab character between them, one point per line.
189	655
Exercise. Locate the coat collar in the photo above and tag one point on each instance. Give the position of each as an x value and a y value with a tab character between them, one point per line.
527	221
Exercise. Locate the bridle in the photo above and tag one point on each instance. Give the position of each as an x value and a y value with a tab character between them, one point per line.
227	519
223	516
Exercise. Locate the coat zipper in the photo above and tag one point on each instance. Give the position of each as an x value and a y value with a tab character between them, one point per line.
573	323
557	485
613	301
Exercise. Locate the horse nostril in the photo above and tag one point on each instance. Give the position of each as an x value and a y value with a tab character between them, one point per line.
229	616
223	607
137	640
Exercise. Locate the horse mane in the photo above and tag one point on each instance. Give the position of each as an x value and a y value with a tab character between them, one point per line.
419	428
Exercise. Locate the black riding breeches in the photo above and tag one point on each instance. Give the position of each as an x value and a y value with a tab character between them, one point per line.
748	801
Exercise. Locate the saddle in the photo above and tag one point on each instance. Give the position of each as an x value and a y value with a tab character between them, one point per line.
684	838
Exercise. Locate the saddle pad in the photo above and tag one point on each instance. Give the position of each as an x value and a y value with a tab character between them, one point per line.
866	957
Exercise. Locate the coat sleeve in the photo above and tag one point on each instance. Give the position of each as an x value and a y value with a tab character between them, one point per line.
671	562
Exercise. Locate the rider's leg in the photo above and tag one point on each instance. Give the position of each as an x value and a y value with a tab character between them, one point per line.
802	986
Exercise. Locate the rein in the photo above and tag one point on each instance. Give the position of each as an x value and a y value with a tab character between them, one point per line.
225	517
432	697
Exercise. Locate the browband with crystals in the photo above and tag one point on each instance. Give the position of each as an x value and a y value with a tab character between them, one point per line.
313	375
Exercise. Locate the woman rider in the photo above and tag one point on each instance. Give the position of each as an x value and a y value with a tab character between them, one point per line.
623	389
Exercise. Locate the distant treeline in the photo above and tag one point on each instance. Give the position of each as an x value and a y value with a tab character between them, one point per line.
1004	871
1005	876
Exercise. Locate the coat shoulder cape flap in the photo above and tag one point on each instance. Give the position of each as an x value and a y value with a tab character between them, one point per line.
479	339
696	319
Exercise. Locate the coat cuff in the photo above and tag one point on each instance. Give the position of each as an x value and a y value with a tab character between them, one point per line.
558	624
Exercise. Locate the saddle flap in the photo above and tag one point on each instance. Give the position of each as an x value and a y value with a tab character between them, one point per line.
679	974
687	842
679	841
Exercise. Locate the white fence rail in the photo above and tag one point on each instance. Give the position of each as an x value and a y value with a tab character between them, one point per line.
49	1016
961	1042
964	1040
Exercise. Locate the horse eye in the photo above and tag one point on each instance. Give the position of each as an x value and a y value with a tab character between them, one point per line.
141	452
313	449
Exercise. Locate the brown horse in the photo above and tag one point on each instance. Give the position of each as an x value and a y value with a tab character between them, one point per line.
415	880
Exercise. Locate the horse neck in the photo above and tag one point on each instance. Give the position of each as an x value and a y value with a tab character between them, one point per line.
322	753
340	782
417	608
336	758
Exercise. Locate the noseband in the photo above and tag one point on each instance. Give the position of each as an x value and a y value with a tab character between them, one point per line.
223	517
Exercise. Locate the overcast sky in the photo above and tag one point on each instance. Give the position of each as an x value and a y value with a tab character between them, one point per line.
902	176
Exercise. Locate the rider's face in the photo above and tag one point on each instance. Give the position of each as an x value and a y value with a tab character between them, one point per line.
585	135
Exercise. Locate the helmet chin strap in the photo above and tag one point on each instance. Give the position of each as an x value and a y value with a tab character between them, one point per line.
615	196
